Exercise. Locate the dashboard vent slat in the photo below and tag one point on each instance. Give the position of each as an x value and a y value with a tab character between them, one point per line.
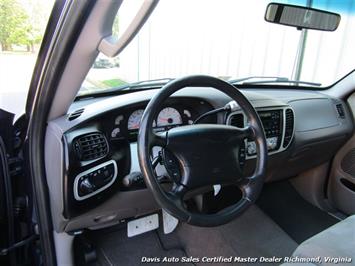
340	110
289	127
237	120
75	114
90	147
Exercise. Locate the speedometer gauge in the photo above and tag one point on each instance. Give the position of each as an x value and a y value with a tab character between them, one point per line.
134	119
169	116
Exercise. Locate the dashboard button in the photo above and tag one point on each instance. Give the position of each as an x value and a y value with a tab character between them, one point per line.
251	148
171	165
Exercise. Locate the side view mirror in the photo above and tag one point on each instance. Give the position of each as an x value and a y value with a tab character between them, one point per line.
302	17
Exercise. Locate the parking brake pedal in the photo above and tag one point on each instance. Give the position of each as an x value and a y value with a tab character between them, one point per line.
142	225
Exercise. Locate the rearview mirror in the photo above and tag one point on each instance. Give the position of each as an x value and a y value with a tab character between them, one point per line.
302	17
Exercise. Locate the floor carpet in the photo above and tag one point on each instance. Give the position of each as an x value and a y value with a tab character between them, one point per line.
297	217
253	234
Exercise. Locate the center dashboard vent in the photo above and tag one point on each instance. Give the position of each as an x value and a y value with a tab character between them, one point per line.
289	127
91	146
237	120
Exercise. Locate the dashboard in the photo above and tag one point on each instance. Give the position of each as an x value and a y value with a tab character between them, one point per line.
96	164
101	151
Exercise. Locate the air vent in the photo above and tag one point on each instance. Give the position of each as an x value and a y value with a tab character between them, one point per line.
91	146
75	114
340	110
237	120
289	125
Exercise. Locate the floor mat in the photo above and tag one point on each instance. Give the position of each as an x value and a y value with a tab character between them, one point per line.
115	248
297	217
253	234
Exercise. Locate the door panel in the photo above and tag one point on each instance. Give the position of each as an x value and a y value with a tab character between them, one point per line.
7	232
341	188
342	180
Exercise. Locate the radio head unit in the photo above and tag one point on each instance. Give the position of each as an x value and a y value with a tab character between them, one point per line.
274	123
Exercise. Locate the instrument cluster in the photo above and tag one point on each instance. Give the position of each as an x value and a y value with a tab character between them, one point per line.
168	117
126	123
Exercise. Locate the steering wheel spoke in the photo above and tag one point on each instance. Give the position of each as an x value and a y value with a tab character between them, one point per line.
159	139
250	186
247	132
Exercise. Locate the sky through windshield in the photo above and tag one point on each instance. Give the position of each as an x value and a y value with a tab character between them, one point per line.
228	40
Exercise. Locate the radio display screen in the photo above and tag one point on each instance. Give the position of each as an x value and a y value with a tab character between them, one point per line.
266	119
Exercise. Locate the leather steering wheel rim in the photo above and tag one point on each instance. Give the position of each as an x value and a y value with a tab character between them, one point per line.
172	201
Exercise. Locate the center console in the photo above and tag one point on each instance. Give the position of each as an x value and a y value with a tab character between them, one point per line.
278	126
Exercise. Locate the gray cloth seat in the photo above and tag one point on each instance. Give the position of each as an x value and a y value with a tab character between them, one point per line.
337	242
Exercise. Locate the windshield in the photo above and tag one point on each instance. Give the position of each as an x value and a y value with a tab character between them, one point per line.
229	39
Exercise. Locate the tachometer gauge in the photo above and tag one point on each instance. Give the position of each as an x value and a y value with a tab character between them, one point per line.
169	116
134	119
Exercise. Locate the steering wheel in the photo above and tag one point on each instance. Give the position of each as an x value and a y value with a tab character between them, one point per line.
205	155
